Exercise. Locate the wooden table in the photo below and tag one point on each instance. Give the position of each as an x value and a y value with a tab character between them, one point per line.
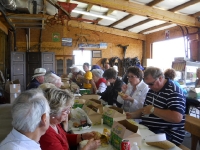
192	125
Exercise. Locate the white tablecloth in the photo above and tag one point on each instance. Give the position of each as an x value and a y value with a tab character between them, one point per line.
144	132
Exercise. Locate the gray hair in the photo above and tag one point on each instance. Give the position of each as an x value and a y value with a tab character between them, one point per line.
51	78
58	99
27	110
154	72
98	72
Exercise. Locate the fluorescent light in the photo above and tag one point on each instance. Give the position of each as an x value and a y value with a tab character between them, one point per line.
94	15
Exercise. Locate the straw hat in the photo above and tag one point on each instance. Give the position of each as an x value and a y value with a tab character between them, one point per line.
39	72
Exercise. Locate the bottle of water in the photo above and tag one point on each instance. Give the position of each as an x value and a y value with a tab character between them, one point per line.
135	146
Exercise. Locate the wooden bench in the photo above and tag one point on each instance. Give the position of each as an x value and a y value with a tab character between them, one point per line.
192	125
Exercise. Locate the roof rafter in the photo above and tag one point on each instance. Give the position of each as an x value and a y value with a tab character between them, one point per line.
137	24
89	7
121	20
154	2
155	27
143	10
184	5
107	13
197	14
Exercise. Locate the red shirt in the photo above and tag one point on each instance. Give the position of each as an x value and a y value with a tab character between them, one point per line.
61	141
100	81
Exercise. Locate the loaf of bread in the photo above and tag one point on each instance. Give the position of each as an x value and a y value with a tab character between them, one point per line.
162	144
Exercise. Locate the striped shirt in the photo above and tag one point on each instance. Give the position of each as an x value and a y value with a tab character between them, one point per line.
169	97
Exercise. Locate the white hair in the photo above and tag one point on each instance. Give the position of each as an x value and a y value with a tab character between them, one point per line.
75	69
98	72
51	78
27	110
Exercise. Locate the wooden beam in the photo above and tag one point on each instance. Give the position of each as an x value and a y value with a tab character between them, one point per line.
143	10
155	27
137	24
121	20
3	28
197	14
106	14
89	7
26	16
108	30
184	5
154	2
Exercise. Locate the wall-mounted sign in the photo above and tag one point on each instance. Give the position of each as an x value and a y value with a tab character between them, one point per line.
66	41
85	45
56	37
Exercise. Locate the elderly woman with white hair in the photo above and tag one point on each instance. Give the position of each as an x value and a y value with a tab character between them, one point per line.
54	79
100	82
30	114
55	138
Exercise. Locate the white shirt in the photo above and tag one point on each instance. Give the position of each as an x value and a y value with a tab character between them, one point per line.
139	97
17	141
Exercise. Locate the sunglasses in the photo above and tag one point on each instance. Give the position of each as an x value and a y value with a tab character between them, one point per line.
152	83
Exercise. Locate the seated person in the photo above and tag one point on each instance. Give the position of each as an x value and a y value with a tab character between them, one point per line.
171	74
95	67
30	114
76	76
53	78
134	93
87	77
38	78
164	107
197	82
114	85
55	138
100	83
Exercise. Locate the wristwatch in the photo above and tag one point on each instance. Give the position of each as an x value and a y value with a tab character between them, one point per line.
152	110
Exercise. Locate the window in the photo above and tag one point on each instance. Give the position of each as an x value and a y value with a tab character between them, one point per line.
163	53
82	56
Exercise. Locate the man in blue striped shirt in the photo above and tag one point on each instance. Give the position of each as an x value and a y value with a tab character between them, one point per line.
164	107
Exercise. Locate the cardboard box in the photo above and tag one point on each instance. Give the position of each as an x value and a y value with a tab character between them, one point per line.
124	130
10	97
194	93
79	103
13	86
111	114
91	96
94	116
96	105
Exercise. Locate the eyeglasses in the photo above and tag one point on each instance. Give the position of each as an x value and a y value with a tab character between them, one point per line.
131	77
67	110
152	83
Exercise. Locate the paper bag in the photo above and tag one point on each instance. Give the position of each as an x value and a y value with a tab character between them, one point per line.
124	130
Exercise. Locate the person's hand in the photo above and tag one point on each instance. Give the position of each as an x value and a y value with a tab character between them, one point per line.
124	88
128	115
127	98
88	135
92	144
107	83
147	109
